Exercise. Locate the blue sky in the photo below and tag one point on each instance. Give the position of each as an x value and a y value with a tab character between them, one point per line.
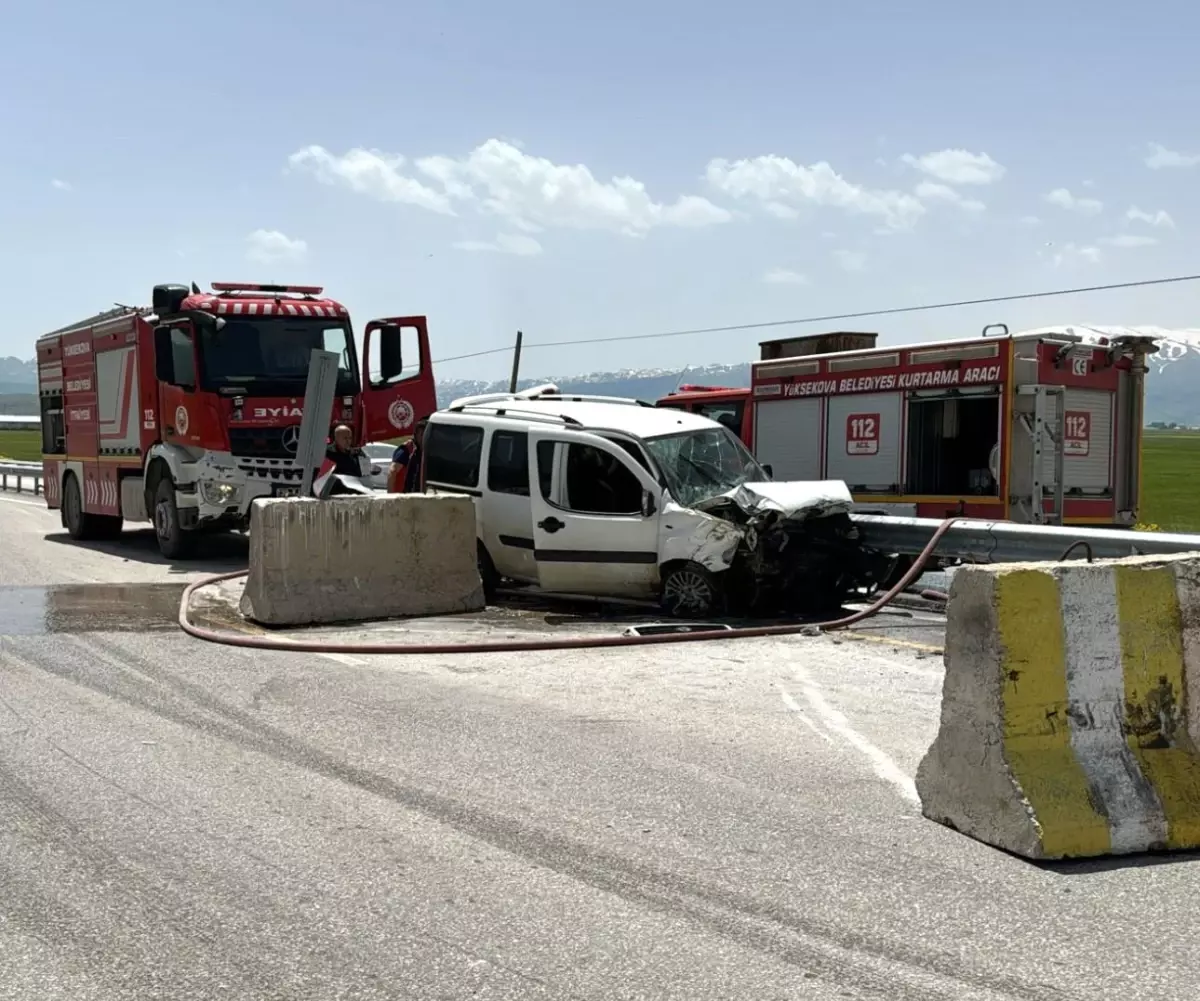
781	160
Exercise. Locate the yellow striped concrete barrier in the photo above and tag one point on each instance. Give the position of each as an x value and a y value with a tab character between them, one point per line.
1070	720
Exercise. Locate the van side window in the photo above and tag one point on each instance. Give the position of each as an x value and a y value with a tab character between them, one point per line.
452	454
635	451
599	483
545	462
508	463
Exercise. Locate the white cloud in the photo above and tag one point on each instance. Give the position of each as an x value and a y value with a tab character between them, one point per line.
851	260
1065	200
1159	218
1129	240
780	211
1030	220
534	190
497	178
1160	157
372	173
957	166
60	185
782	276
505	243
777	182
269	246
1073	253
932	191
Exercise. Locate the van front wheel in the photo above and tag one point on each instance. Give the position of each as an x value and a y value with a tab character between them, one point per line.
689	591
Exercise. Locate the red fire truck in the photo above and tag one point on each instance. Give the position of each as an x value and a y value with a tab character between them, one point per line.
964	427
184	412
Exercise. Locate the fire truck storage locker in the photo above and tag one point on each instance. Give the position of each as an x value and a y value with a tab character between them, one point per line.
786	437
1087	443
951	436
864	432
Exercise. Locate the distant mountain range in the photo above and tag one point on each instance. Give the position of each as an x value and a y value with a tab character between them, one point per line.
1171	394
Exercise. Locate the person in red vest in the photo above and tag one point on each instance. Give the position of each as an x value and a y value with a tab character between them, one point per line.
404	476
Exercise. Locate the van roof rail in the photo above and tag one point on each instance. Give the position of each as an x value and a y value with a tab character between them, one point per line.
628	401
532	393
517	412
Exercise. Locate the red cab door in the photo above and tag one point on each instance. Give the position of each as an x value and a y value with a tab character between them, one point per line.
398	387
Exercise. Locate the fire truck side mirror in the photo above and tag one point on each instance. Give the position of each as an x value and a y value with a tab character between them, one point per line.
391	352
168	298
164	359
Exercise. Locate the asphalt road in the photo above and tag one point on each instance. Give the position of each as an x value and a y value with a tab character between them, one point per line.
728	821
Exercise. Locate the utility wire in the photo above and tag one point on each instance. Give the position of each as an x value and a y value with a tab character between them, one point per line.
830	316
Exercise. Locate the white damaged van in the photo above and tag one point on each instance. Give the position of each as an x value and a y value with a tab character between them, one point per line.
611	497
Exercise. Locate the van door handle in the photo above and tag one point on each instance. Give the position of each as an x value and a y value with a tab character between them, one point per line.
551	524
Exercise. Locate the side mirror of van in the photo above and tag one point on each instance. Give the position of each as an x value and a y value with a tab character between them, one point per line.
768	470
648	505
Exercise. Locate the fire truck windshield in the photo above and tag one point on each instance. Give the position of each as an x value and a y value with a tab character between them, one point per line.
269	356
700	465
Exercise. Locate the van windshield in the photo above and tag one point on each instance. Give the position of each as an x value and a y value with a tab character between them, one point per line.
700	465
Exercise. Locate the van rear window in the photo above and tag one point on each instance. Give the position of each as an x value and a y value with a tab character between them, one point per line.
508	463
452	453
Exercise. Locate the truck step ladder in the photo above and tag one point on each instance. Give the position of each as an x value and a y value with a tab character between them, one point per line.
1045	431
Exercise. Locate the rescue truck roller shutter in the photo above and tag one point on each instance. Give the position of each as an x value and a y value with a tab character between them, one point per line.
184	412
977	427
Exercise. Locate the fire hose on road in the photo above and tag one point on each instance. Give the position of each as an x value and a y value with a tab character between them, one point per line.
565	643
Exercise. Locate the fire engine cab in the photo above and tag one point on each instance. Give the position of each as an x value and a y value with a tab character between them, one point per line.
1037	428
184	412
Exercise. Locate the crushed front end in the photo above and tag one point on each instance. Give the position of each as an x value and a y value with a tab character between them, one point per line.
800	553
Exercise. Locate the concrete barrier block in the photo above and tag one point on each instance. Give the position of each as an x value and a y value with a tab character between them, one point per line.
1071	708
359	558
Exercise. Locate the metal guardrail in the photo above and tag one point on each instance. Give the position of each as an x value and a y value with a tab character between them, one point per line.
967	539
13	473
1005	542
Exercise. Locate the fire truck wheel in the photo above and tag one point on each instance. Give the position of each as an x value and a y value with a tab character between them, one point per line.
689	591
173	542
78	524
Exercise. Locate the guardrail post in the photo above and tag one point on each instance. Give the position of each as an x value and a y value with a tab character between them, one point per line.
19	472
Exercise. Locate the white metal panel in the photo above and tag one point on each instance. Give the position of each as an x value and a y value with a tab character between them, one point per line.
787	436
117	400
1087	446
864	432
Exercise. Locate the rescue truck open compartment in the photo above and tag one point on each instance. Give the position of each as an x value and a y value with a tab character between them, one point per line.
950	440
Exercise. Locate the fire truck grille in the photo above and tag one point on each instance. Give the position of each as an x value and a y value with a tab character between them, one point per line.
258	443
270	470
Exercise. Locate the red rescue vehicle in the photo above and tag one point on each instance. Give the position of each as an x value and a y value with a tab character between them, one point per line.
184	412
964	428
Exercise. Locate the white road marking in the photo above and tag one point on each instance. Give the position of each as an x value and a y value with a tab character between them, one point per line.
795	707
23	503
344	659
1096	695
836	721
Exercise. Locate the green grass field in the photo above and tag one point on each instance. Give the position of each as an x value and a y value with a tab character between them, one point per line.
1170	475
21	446
1171	481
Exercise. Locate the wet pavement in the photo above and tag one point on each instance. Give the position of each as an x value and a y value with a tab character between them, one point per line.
82	608
154	607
